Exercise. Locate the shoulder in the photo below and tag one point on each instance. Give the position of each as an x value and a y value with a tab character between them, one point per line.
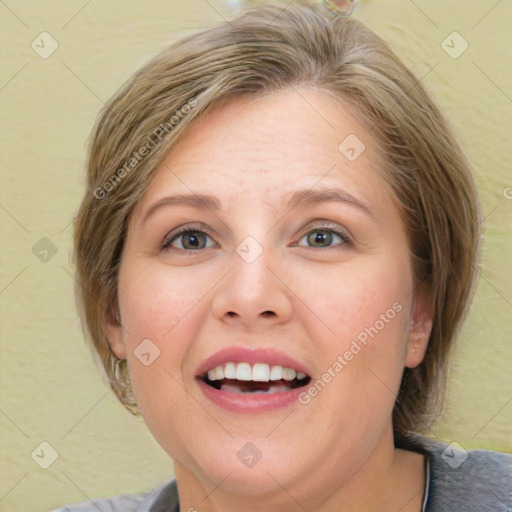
473	481
144	502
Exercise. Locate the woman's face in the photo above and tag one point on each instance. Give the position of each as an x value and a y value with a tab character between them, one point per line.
299	260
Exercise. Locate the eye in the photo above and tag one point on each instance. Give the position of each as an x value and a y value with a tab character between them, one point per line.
187	238
321	237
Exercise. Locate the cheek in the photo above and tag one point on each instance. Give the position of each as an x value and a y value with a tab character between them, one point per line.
160	318
364	309
156	302
354	299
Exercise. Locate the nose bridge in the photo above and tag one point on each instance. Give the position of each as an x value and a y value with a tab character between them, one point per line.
251	290
251	275
252	261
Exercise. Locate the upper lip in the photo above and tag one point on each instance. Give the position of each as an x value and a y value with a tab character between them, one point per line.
243	354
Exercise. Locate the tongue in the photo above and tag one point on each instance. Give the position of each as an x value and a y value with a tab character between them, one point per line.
237	386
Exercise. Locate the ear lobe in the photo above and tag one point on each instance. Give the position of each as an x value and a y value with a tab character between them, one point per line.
422	319
114	332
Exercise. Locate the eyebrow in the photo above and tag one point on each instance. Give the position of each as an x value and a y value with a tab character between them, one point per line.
200	201
300	198
310	197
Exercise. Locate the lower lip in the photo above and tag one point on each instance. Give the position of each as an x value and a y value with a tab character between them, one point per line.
250	402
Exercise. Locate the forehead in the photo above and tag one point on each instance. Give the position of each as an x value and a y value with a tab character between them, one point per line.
268	146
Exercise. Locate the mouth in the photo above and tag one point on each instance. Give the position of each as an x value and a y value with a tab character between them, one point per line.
242	379
257	378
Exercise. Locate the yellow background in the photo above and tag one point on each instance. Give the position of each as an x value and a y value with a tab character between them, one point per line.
51	390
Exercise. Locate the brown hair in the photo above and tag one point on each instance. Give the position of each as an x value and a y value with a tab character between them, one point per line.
267	49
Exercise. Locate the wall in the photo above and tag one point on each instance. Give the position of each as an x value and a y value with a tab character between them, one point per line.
51	391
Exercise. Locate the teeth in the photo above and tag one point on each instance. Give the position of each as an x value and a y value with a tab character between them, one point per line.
289	374
216	373
243	371
276	373
259	372
281	388
219	373
229	371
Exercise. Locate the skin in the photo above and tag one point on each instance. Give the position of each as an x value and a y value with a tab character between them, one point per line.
335	453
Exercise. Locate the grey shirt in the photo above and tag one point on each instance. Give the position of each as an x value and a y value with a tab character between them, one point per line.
456	481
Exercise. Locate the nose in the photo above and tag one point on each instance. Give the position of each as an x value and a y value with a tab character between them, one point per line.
253	293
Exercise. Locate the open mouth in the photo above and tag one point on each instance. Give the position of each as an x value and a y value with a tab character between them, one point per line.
257	378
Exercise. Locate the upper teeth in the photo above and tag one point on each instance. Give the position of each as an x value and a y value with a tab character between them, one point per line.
258	372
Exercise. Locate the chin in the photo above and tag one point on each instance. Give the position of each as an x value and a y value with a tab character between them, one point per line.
245	469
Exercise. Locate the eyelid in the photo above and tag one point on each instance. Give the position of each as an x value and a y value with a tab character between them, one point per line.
185	228
319	223
336	228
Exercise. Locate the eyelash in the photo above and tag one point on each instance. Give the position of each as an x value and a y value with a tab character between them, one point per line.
347	241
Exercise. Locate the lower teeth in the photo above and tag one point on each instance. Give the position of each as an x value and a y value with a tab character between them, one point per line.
273	389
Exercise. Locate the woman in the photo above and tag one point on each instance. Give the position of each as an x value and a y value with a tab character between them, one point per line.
276	251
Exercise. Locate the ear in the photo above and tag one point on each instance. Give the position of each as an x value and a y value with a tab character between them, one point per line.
420	327
114	333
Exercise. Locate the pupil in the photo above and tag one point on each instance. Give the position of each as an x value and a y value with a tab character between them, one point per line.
321	237
194	238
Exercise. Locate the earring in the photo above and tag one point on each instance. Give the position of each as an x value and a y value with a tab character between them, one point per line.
117	363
